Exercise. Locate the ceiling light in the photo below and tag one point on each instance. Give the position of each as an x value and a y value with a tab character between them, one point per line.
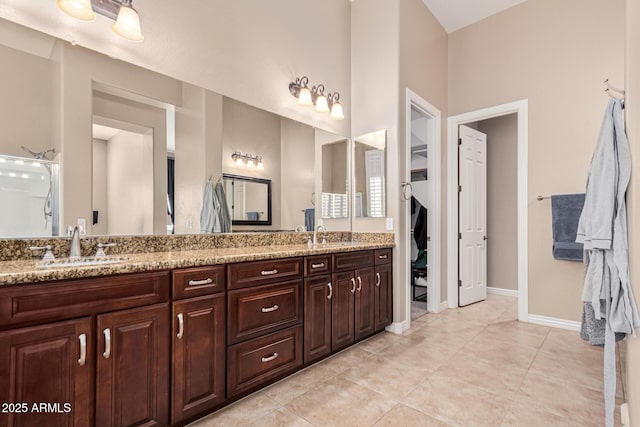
315	96
128	23
79	9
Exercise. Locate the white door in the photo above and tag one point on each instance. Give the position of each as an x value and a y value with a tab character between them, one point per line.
473	216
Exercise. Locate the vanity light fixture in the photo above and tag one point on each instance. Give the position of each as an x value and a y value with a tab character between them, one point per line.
127	21
315	96
248	160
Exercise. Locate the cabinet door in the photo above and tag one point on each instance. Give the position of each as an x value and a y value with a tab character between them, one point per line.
383	297
48	364
317	317
199	351
132	375
364	304
342	310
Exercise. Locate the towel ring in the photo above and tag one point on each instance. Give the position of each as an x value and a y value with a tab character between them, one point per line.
406	185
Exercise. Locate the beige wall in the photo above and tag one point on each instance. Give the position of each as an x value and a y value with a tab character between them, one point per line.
250	130
254	48
546	52
99	187
298	174
632	111
502	207
424	70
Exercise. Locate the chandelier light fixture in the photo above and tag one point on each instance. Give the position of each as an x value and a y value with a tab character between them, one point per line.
315	96
125	17
247	160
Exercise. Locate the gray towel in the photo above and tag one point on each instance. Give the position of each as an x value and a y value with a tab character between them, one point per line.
592	329
253	215
224	215
565	215
206	213
309	218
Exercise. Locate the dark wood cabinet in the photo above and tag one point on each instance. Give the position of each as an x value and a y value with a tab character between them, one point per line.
50	363
318	293
383	297
199	352
364	303
132	369
342	310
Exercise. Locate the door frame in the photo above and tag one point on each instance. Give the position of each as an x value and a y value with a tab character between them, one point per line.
433	290
521	108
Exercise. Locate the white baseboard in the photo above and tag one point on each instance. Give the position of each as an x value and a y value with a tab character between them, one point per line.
570	325
397	327
503	292
443	306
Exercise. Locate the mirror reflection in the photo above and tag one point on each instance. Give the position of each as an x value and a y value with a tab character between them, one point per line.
248	199
369	175
185	134
335	183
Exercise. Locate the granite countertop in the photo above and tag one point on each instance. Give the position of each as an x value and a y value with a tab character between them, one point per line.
17	272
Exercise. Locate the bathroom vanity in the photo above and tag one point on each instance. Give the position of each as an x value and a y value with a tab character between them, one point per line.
164	346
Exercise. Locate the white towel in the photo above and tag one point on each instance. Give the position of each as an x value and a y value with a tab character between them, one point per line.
207	217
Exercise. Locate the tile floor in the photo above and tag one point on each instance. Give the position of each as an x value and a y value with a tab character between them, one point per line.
474	366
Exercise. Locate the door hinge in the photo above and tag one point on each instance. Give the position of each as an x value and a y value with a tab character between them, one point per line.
459	141
459	188
459	236
459	283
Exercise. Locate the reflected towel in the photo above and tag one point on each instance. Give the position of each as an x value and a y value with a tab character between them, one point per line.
252	216
207	212
309	218
223	212
565	215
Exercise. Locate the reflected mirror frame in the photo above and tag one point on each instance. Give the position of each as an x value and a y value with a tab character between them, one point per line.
268	221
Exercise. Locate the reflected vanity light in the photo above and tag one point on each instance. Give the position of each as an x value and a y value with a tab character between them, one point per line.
127	21
315	96
247	159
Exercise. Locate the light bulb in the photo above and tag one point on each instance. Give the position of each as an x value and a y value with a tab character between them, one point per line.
128	24
260	164
336	111
239	161
79	9
304	97
322	105
250	163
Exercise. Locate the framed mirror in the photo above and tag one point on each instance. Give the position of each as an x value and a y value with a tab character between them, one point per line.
369	168
248	199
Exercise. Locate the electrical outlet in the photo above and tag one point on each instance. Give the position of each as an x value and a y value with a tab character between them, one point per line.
82	222
189	223
624	415
389	224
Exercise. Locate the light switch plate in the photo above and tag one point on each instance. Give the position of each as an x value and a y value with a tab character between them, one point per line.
389	224
82	222
624	415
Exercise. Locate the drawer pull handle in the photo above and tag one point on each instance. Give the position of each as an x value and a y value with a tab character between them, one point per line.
378	279
269	272
180	325
353	282
270	358
83	349
200	282
383	256
359	283
321	265
107	343
270	309
330	291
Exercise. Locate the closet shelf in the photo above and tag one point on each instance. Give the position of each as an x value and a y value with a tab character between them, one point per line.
419	174
419	150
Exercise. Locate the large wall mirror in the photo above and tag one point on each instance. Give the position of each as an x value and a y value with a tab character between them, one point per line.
248	199
135	148
369	166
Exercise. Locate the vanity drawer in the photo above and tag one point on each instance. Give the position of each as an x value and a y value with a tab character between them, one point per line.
253	363
253	273
382	256
256	311
30	304
199	281
320	264
352	260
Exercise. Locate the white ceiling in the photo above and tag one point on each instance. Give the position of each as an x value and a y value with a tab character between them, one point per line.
456	14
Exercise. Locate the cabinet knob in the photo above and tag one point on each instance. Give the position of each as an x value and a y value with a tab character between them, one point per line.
330	291
200	282
268	272
83	349
320	265
107	343
180	325
270	309
378	279
353	282
270	358
359	283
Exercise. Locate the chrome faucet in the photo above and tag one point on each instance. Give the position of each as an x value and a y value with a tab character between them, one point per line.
315	235
74	251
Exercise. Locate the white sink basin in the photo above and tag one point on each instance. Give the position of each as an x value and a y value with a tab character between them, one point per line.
81	262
